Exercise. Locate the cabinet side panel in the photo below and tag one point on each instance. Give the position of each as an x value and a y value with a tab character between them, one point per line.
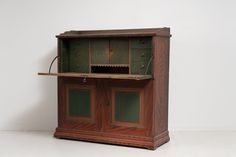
59	69
148	107
161	81
60	98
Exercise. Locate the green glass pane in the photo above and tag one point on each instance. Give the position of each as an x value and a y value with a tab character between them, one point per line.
79	55
127	106
100	51
79	103
119	51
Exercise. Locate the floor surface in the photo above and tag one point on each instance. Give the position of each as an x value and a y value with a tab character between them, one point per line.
182	144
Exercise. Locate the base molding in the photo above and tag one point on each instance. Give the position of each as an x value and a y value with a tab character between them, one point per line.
111	138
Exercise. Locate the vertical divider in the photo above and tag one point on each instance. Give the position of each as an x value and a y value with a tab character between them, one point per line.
153	53
129	56
89	56
69	55
109	51
59	63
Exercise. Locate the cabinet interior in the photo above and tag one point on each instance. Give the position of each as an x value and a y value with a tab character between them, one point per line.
107	55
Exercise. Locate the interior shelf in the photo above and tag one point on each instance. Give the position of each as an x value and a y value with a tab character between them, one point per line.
109	76
111	65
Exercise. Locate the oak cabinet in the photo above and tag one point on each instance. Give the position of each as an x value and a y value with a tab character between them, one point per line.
113	86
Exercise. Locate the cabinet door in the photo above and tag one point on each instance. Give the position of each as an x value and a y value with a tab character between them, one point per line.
79	106
125	114
126	107
79	102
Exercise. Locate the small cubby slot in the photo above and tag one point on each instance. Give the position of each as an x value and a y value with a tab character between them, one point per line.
110	69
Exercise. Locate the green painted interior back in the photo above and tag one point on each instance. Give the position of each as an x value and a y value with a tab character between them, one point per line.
79	55
64	56
75	53
127	106
119	51
79	103
100	51
141	50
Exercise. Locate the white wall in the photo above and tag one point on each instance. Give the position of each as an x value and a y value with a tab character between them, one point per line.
202	69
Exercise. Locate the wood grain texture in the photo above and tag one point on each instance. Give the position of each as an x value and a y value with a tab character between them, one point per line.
92	123
153	130
162	32
124	127
105	76
110	138
160	84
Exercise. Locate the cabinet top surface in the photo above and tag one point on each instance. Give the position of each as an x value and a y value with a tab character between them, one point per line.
164	32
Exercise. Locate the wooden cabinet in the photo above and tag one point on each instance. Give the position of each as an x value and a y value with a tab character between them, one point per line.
113	86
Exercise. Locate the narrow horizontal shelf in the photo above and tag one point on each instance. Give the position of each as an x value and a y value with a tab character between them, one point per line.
111	65
109	76
141	48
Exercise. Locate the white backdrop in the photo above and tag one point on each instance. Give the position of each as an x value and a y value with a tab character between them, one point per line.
202	66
